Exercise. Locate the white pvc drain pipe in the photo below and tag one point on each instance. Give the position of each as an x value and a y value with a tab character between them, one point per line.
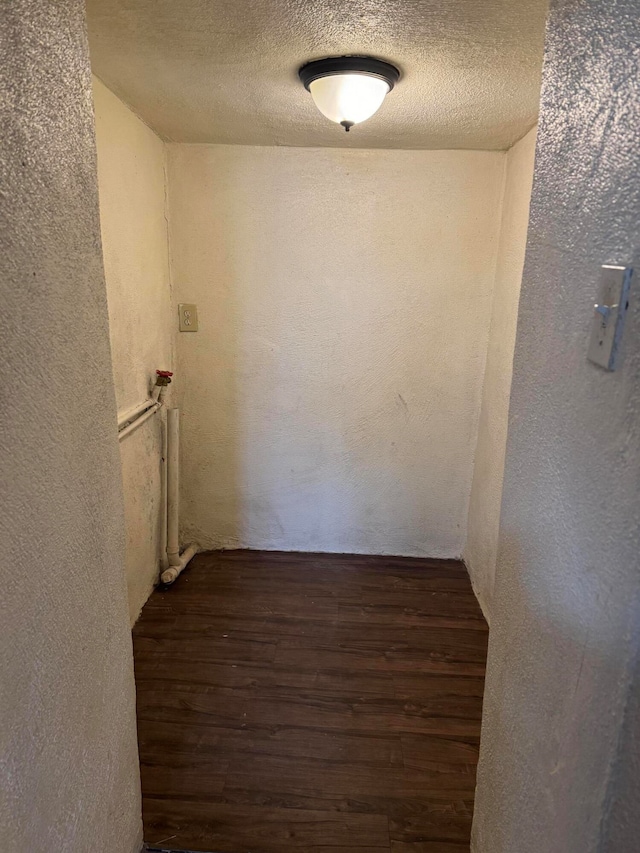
177	561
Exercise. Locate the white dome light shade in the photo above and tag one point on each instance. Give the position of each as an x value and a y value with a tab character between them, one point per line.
349	98
348	89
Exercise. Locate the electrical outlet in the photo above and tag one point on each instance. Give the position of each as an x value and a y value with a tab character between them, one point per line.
188	313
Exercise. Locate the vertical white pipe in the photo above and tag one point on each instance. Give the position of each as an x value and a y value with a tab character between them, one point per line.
173	485
164	560
177	562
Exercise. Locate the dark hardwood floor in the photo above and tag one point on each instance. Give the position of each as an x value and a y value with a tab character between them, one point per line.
305	702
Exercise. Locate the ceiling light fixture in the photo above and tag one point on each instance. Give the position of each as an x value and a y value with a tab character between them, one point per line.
348	89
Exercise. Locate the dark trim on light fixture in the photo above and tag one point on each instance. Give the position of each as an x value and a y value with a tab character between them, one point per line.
349	65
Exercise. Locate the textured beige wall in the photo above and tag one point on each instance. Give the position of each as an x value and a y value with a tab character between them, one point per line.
136	263
331	397
486	492
558	758
69	778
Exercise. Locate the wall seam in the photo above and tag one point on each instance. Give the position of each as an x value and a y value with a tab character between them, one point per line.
165	175
134	112
520	138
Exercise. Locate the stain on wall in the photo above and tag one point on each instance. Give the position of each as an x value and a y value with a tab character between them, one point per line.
136	263
481	548
331	397
557	740
69	777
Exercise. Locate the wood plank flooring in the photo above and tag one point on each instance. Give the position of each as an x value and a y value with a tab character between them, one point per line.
307	702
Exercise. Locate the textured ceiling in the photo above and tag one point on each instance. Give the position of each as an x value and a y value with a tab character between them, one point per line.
226	71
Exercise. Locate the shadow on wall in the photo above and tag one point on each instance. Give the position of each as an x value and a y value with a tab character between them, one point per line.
141	325
480	553
330	398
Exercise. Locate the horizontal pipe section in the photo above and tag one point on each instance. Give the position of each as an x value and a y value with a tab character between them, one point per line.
144	415
169	575
130	415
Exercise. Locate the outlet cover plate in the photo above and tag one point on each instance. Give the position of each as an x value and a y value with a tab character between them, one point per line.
188	314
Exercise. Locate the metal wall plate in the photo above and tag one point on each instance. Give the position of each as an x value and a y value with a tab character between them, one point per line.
608	316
